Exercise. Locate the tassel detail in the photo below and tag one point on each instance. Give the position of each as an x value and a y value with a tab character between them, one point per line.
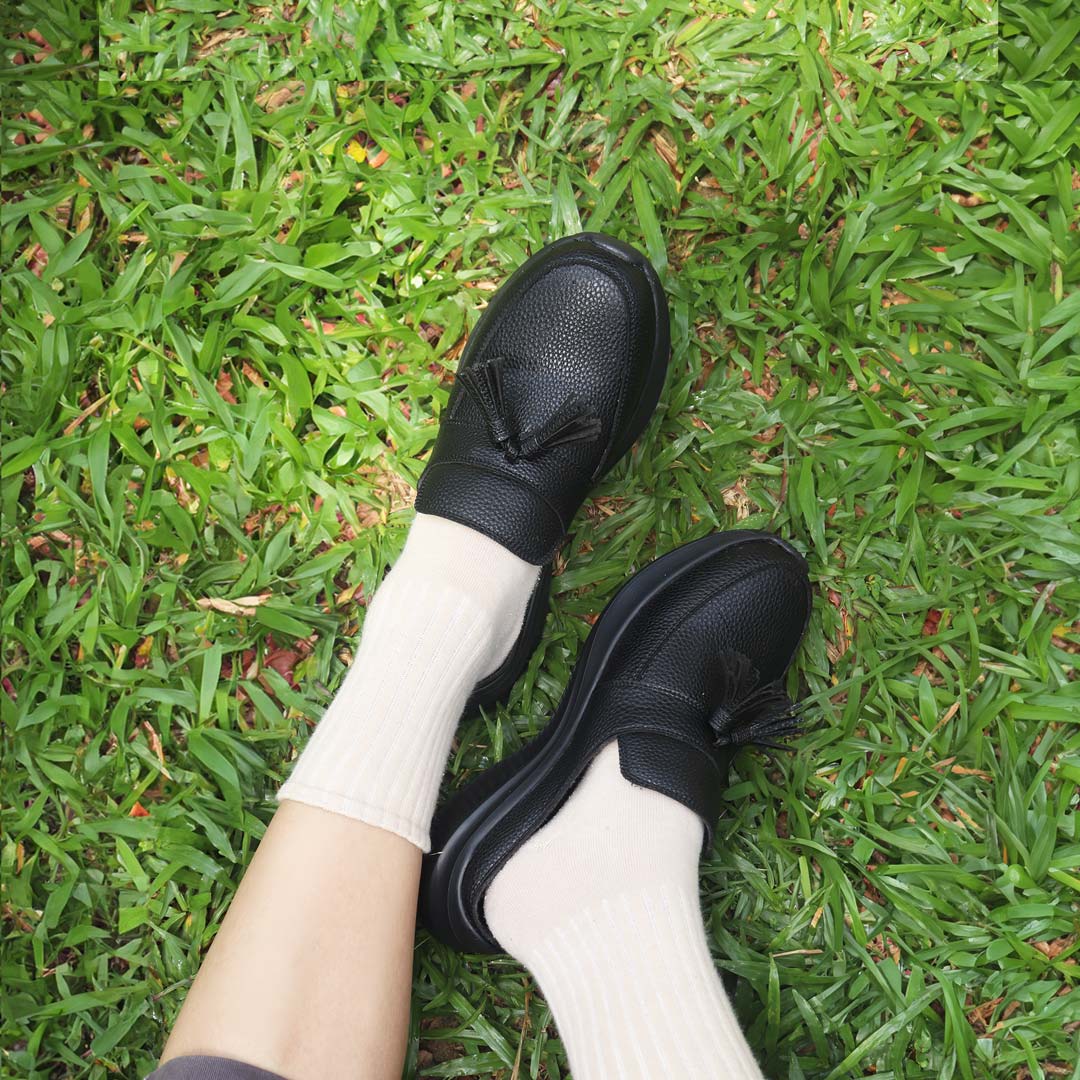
483	383
569	423
745	713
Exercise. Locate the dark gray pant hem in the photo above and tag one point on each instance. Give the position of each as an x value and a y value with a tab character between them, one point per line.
210	1068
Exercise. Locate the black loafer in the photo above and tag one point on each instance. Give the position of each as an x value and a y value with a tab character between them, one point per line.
558	379
682	668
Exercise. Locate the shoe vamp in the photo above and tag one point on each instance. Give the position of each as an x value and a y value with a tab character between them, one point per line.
567	335
754	607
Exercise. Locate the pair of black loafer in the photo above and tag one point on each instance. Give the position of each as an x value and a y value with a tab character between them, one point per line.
686	663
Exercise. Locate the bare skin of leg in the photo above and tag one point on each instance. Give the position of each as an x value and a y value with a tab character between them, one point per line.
310	973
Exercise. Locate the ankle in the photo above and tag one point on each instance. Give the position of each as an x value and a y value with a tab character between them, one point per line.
486	578
602	907
612	842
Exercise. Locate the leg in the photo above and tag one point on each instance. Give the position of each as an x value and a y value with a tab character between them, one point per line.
309	976
310	973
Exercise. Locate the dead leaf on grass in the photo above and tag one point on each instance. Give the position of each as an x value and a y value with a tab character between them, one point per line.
242	605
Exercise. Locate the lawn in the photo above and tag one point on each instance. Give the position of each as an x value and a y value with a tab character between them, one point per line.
241	251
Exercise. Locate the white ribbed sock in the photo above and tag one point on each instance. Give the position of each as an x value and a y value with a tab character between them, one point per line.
445	617
602	907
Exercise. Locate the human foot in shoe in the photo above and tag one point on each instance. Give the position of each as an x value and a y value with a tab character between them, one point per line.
682	668
558	379
579	854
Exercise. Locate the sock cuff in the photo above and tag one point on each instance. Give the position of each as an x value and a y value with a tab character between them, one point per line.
413	827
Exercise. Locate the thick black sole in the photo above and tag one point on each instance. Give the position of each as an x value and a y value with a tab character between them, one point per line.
462	827
497	686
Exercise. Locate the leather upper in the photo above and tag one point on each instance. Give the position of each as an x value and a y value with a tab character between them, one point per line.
657	693
661	696
571	342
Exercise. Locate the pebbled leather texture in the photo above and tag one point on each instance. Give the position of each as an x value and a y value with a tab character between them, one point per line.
652	689
581	327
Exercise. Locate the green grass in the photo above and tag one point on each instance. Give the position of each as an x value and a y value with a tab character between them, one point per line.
239	263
